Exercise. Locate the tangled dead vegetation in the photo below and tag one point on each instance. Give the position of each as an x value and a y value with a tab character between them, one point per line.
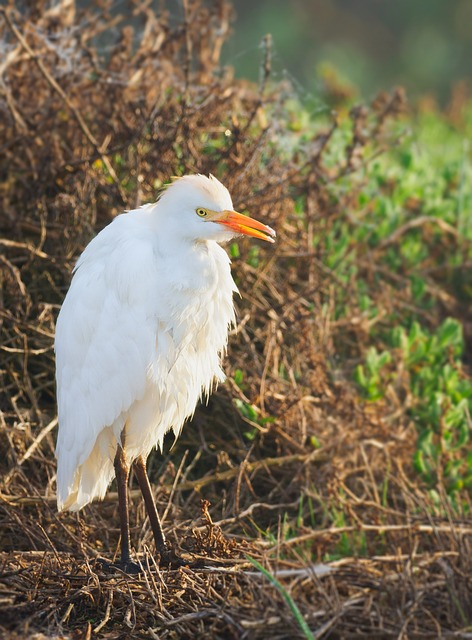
300	474
383	596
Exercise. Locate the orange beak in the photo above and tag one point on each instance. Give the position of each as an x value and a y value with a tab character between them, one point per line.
245	225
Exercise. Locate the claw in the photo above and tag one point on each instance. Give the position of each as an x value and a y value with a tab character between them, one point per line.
129	567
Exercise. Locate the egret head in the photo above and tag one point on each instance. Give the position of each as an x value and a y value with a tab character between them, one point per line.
199	208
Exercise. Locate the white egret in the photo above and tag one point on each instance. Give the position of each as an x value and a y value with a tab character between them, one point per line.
139	340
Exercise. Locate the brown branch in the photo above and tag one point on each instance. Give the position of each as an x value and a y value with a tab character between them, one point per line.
418	222
222	476
387	528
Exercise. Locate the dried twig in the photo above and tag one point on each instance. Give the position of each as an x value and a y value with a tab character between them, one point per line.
57	88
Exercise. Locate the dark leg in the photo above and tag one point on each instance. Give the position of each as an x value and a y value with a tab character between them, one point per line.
145	486
122	476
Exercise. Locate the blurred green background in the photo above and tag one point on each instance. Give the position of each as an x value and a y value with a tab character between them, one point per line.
423	45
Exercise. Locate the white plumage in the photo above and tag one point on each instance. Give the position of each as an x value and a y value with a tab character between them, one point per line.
142	329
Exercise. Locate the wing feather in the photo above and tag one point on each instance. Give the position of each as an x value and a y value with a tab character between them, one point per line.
105	342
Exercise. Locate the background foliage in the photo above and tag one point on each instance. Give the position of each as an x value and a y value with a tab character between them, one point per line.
425	47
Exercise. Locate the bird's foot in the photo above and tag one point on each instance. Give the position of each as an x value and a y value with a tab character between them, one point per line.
126	566
167	557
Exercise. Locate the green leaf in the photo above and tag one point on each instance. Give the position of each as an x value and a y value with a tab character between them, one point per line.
238	377
234	250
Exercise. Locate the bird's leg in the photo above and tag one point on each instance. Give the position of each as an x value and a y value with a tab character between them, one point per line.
145	486
122	476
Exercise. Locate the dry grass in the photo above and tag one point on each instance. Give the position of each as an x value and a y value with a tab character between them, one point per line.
338	519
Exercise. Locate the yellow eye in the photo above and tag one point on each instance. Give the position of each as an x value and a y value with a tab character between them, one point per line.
201	212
